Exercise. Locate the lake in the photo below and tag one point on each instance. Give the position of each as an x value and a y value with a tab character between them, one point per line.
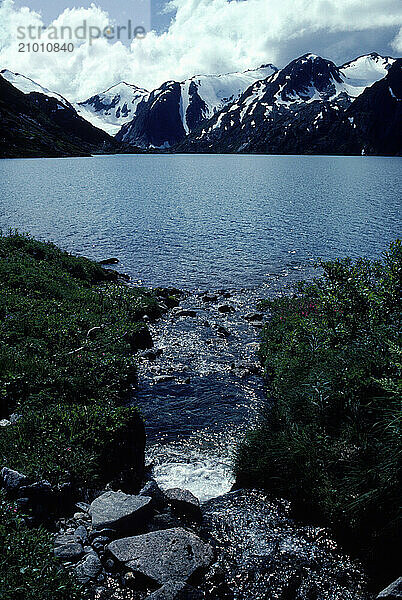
207	221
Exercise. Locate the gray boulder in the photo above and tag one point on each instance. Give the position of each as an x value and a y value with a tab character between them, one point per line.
153	490
116	510
184	502
69	552
163	556
12	480
392	592
176	590
5	423
89	569
64	539
81	535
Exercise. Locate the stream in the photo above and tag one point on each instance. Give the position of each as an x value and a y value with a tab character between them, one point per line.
198	399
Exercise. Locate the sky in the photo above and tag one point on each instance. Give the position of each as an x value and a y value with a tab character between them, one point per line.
188	37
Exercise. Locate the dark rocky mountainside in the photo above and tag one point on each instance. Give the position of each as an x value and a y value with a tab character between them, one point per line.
309	107
170	112
35	124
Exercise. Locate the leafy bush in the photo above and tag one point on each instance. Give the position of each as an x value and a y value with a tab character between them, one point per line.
28	570
87	445
331	440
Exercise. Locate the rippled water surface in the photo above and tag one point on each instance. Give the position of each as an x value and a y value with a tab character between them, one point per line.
213	221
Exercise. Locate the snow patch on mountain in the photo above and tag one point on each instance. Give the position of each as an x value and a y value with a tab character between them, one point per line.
111	109
27	86
363	72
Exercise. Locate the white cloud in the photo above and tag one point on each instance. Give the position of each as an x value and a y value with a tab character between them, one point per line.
205	36
397	42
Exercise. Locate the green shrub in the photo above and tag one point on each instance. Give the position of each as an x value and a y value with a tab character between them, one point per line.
331	440
28	570
87	445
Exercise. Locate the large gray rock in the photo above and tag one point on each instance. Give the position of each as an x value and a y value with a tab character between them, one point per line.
116	510
392	592
184	502
12	480
163	556
176	590
69	552
89	569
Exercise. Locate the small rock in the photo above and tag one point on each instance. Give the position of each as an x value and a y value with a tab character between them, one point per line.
209	298
80	515
81	535
12	480
140	339
163	378
116	510
184	502
109	565
106	532
153	490
151	354
5	423
256	324
207	324
162	556
64	539
222	331
185	313
69	552
392	592
83	506
109	261
254	317
176	590
89	569
100	542
226	308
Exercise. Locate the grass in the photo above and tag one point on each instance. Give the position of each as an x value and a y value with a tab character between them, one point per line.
331	440
65	361
66	364
28	570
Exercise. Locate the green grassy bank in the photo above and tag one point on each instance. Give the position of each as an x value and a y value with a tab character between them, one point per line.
66	363
331	439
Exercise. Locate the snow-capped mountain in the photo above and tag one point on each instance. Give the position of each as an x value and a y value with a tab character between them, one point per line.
366	70
38	122
272	114
111	109
27	86
175	109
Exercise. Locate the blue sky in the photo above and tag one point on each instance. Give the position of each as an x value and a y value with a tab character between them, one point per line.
119	10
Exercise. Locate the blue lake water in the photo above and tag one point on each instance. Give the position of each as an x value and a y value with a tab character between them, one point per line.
206	221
